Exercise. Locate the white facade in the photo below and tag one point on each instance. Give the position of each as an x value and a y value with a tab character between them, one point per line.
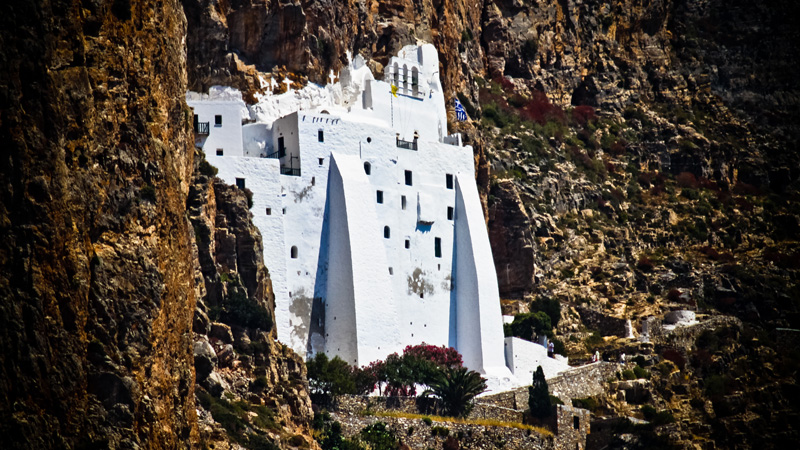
372	225
525	356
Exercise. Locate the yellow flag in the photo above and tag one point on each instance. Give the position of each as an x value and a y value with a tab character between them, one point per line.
394	90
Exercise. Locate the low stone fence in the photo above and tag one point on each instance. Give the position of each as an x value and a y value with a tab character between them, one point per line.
582	382
579	382
494	412
358	404
419	436
570	424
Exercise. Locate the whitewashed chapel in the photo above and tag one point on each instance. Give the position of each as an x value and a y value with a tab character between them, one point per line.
372	225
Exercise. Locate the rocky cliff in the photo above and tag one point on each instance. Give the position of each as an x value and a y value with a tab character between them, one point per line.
124	269
251	390
96	286
635	157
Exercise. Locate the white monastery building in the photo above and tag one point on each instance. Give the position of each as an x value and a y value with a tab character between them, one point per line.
373	230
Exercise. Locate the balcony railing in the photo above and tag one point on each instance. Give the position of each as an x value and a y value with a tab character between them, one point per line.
201	128
408	145
279	154
290	171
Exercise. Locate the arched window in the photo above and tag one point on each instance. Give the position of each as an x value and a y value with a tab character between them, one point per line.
386	232
367	167
294	252
405	77
396	75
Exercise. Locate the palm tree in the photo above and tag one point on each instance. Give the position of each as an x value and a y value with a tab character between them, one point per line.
456	387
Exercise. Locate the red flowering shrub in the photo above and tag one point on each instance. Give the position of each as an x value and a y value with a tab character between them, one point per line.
583	114
419	364
687	180
618	148
675	356
505	83
644	264
540	110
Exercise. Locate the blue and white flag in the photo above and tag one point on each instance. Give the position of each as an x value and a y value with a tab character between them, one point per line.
461	113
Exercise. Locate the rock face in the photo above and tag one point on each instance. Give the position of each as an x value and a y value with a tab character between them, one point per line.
511	239
235	352
96	286
110	297
229	42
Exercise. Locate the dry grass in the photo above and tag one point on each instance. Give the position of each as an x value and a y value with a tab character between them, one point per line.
481	422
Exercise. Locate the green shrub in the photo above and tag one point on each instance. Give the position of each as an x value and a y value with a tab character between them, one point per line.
259	384
440	431
663	418
148	193
332	377
549	306
529	324
249	194
628	374
586	403
649	412
240	310
207	169
379	437
640	372
427	421
529	50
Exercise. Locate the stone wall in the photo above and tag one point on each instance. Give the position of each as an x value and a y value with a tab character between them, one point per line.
579	382
354	405
489	411
350	410
582	382
418	435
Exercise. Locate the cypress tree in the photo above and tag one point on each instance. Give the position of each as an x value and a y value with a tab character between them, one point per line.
539	395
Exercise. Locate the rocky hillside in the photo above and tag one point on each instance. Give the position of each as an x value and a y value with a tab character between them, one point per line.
635	158
251	390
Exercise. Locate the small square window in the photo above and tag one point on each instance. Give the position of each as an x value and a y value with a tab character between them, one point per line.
269	211
386	233
408	243
240	183
449	180
408	178
220	152
218	120
380	196
321	161
391	271
320	136
284	210
449	213
403	201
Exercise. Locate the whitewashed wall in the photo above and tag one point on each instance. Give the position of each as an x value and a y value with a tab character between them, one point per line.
228	135
524	357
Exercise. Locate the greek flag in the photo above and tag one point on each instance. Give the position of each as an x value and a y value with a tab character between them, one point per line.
461	113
